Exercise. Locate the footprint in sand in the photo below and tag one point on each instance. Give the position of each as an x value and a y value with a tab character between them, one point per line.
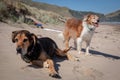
84	73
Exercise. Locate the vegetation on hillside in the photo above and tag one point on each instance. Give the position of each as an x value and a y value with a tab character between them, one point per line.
16	11
12	10
47	7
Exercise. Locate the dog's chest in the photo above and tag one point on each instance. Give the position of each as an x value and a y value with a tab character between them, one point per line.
86	34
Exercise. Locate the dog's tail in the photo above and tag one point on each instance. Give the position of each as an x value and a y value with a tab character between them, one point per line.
61	36
62	52
66	50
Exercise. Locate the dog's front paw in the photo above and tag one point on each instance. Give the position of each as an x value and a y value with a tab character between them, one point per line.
55	75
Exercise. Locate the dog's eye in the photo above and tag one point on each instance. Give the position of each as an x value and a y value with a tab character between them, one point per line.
16	40
25	40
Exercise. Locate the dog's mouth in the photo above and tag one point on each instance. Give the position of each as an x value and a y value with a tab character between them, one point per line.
96	24
19	50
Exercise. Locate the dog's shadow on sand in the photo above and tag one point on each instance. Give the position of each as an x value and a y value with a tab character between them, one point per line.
106	55
93	52
57	60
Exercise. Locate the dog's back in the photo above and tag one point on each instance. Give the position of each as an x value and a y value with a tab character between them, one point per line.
48	45
73	28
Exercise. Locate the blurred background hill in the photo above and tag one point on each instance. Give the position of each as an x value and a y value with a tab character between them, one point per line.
17	10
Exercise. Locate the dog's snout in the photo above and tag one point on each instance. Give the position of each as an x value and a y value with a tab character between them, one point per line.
19	49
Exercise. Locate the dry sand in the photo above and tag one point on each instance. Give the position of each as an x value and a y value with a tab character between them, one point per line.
103	64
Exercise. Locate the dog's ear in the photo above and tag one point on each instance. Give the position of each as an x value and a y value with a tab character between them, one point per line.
34	38
14	33
86	17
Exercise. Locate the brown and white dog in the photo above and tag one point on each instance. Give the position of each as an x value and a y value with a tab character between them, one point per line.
38	51
80	30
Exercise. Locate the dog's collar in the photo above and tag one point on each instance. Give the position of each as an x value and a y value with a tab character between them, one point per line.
30	52
33	48
90	29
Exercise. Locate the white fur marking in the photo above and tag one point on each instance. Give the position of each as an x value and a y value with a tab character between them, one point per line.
86	36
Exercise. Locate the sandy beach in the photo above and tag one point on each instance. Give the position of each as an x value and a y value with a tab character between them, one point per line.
103	64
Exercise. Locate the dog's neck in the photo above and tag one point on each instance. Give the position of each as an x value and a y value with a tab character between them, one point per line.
33	52
88	26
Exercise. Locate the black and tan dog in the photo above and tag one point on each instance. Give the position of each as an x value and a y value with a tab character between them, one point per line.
38	51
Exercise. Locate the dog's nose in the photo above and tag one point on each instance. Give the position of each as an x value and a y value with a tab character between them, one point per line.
98	20
19	49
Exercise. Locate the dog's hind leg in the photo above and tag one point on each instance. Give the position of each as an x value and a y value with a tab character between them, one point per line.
66	39
75	44
51	68
49	65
